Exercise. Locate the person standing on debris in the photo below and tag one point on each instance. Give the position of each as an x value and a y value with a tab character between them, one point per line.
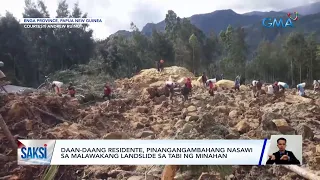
56	85
278	89
107	91
161	65
71	90
2	81
204	79
259	86
189	84
316	86
237	83
158	65
2	78
185	91
170	85
211	88
238	78
300	88
254	87
275	87
282	87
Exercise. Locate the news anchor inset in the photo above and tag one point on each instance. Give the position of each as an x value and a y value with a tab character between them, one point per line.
282	156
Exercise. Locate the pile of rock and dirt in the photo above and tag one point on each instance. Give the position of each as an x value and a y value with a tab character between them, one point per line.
226	115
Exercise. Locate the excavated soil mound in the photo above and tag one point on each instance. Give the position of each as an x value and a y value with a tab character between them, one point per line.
147	77
152	75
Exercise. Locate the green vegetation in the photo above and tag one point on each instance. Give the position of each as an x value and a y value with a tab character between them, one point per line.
30	54
50	173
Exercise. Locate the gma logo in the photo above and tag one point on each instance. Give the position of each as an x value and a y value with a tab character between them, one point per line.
279	23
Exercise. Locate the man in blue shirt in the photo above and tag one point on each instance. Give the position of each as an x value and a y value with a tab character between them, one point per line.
301	90
282	156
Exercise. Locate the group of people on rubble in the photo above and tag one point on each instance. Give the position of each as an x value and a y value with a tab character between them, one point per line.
185	89
57	86
277	88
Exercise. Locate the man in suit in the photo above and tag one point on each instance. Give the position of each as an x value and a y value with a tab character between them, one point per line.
282	156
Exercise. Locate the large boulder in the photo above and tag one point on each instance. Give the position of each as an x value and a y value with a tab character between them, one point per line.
242	127
304	130
266	120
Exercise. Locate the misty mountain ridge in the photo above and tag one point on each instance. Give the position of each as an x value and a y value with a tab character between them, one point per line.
308	9
220	19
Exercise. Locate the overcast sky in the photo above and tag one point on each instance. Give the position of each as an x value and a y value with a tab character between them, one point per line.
119	13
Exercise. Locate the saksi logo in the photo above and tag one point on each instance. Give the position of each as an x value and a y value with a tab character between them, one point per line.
280	22
33	152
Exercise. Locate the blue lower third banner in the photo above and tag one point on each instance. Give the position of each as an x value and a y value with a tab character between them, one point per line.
156	152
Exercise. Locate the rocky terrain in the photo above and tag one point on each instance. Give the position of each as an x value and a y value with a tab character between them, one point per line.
134	115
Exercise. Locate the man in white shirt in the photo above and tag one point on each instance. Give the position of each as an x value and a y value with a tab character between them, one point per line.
170	85
56	85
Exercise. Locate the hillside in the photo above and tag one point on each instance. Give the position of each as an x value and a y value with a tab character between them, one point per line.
217	21
306	9
214	21
220	19
305	24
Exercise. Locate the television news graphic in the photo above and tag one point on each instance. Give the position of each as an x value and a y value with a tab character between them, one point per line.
278	22
51	26
144	152
35	152
45	21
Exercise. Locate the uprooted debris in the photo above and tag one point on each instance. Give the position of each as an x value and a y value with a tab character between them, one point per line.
226	115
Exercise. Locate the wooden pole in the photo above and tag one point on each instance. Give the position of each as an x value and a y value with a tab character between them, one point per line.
8	134
302	172
169	172
58	119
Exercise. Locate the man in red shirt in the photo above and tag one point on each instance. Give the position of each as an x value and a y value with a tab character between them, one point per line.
211	88
189	84
107	92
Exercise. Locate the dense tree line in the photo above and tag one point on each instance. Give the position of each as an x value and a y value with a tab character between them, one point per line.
30	54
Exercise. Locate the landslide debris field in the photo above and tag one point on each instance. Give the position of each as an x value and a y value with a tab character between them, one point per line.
226	115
